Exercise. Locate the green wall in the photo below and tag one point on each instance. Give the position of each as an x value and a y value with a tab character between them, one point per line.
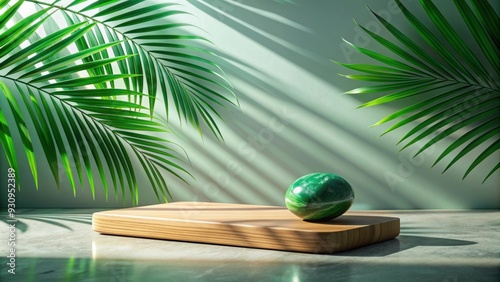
294	119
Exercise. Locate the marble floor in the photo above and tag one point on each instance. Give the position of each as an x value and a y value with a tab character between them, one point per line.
443	246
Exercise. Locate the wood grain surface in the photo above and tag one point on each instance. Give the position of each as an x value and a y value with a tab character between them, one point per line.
266	227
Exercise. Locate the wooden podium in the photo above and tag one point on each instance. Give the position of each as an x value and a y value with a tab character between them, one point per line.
266	227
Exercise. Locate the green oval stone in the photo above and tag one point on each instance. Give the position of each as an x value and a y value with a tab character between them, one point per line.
319	196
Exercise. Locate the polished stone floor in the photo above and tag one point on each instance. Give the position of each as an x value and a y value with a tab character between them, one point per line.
444	246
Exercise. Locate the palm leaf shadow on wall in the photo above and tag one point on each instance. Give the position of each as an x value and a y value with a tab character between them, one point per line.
86	90
458	88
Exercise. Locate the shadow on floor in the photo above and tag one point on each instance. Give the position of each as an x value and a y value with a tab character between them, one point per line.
401	243
21	224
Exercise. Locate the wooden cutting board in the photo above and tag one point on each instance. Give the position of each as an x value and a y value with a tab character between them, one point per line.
266	227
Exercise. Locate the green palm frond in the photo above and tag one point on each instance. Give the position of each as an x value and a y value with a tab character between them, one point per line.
92	109
458	88
172	62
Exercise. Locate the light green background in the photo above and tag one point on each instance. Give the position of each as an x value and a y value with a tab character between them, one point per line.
294	119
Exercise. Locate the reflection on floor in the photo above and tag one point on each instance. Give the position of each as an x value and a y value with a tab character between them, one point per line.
59	245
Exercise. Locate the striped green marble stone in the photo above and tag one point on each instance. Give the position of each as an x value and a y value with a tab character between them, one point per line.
319	196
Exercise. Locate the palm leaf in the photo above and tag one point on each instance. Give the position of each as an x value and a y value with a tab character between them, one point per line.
450	78
78	123
172	63
23	131
6	135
